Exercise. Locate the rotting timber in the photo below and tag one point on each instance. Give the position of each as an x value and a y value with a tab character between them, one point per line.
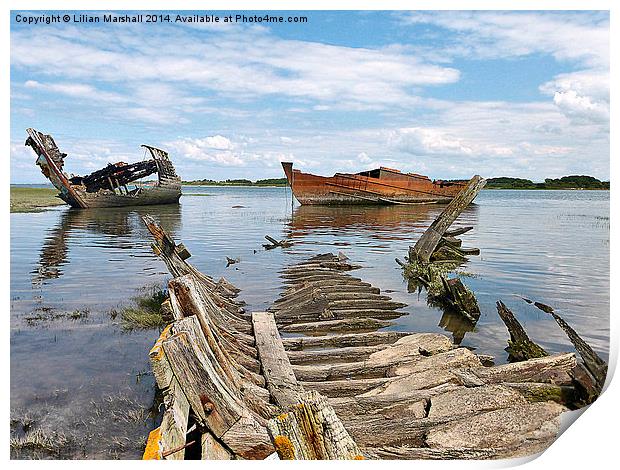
109	186
336	387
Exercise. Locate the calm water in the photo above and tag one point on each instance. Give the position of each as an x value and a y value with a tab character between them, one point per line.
85	376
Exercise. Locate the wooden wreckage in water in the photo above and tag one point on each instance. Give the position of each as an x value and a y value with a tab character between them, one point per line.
108	187
316	377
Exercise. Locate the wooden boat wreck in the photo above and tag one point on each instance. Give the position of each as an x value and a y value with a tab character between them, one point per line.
108	187
316	377
379	186
335	386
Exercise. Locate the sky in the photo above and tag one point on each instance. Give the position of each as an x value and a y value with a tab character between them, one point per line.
448	94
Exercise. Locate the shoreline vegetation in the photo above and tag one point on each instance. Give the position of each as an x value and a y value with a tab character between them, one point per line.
35	199
565	182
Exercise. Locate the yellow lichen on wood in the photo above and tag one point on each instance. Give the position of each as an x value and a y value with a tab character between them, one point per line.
359	457
284	448
157	351
152	450
282	417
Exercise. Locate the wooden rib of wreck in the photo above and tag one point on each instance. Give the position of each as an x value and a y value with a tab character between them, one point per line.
108	187
380	186
438	252
245	392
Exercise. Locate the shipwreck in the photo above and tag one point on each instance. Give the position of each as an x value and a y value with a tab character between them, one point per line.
379	186
109	186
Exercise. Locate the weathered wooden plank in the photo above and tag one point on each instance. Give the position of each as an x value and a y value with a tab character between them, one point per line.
390	405
503	428
349	324
276	368
185	289
344	340
256	397
214	404
427	243
332	355
549	369
426	453
159	363
535	392
174	422
358	370
345	388
595	365
212	449
311	430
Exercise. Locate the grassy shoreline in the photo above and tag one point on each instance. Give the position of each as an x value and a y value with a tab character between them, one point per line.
28	199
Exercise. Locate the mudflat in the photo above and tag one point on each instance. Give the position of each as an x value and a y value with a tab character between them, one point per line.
33	199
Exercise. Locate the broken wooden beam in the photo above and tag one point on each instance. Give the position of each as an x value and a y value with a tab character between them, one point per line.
459	298
427	243
310	430
520	346
457	231
595	367
279	376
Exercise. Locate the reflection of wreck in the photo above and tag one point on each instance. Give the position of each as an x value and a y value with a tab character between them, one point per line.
112	228
379	186
108	187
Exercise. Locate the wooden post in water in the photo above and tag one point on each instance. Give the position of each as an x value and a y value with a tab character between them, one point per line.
430	239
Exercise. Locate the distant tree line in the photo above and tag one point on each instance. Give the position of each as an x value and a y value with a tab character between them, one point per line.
239	182
566	182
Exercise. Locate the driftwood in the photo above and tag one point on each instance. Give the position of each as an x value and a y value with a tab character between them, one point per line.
520	346
231	261
273	243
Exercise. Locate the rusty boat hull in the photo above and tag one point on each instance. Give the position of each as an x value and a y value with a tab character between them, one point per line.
109	186
380	186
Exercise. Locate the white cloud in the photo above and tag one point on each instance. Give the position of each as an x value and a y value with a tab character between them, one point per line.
583	96
240	66
579	37
420	141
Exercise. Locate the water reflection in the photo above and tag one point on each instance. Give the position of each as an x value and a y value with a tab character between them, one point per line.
118	225
306	219
385	223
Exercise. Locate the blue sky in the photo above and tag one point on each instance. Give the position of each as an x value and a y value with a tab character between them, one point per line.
447	94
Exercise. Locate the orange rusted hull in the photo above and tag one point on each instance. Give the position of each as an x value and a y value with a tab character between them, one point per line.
380	186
